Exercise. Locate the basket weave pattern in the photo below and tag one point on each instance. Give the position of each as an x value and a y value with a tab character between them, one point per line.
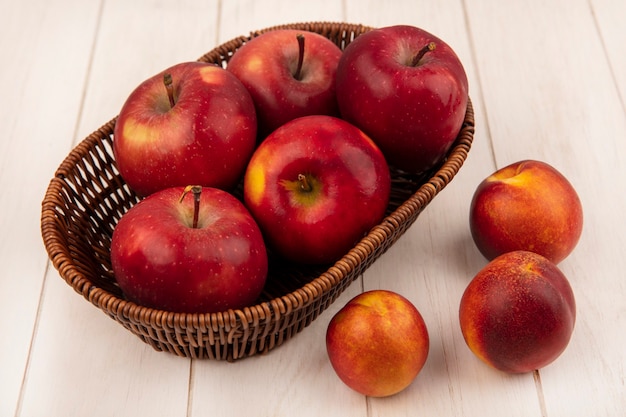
87	197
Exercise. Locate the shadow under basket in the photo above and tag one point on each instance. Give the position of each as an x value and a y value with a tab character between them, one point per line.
87	197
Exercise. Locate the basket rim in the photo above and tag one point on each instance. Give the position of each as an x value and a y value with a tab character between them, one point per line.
326	281
312	26
266	311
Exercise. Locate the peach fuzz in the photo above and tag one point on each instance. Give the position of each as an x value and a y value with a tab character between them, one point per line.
377	343
528	205
517	314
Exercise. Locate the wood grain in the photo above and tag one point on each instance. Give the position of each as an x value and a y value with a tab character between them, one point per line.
40	104
547	80
101	368
555	100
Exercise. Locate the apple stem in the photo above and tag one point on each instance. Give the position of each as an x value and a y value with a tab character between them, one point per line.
420	54
300	38
196	190
305	185
167	80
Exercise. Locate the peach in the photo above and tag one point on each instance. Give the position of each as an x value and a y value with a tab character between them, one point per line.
527	205
377	343
518	313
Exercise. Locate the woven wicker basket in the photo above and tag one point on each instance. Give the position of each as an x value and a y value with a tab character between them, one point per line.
87	196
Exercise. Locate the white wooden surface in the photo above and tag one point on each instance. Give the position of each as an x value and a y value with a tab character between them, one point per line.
548	82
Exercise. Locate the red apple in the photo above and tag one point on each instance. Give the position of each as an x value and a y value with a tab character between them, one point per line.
289	73
527	205
194	123
518	312
377	343
195	255
407	90
316	186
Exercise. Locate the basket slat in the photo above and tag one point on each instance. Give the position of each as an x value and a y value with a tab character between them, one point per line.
87	197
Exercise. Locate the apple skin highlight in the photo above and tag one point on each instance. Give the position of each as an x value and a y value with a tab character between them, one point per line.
345	188
267	66
413	111
161	261
206	138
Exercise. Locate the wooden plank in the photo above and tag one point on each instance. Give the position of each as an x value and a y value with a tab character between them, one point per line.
38	114
101	368
242	17
432	264
293	378
609	18
553	98
137	40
